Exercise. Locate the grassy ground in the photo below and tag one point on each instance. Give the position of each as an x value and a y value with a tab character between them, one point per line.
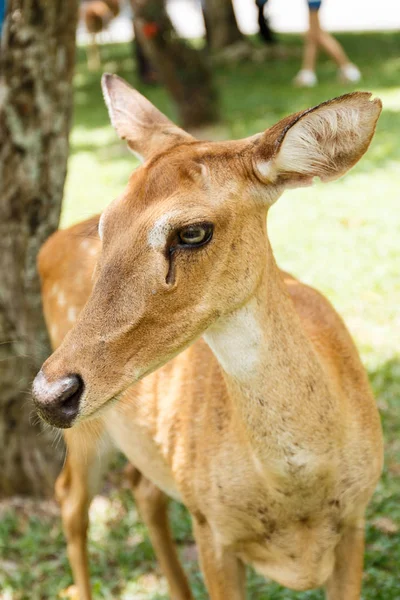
342	237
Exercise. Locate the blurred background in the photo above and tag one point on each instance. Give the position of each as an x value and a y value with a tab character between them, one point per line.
222	70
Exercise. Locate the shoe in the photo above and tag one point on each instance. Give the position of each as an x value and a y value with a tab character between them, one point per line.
305	78
349	74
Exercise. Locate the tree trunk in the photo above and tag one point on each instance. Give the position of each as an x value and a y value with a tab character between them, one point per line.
37	61
183	69
221	24
145	70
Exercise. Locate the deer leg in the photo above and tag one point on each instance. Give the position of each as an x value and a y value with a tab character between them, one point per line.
152	506
346	579
76	485
93	54
224	573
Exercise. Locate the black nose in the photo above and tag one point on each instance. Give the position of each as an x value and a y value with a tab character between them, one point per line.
58	401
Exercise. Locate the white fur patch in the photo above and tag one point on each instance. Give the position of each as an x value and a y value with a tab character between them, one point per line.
72	314
54	289
324	142
266	169
314	143
107	99
236	341
158	234
101	226
61	301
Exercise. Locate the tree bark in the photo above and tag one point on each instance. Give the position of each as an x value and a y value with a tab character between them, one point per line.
183	70
221	24
37	61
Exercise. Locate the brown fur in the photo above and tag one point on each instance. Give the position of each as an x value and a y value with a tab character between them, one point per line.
276	462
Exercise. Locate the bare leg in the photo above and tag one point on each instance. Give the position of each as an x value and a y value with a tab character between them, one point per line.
348	71
346	580
317	37
306	76
75	487
224	573
152	505
310	50
325	40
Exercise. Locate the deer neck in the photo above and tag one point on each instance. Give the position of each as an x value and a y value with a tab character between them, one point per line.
278	387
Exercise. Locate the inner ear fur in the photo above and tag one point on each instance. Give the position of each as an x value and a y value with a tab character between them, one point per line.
324	141
136	120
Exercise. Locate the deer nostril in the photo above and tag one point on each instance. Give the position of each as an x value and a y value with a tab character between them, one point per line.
58	402
69	400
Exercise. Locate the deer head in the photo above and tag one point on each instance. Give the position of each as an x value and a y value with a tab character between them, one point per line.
186	241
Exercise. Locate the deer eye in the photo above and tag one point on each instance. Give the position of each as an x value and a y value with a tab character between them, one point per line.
195	235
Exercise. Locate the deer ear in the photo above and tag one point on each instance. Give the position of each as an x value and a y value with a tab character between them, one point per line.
135	119
324	141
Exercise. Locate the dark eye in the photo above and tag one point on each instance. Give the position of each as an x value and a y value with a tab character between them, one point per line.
195	235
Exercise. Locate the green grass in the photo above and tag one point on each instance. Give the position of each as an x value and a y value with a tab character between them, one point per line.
342	237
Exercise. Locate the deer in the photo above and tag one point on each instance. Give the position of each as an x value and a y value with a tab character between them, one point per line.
97	15
228	384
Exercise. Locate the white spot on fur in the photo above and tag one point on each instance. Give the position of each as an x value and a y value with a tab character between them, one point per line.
72	314
266	169
93	251
158	234
236	340
258	464
54	290
61	301
85	244
54	331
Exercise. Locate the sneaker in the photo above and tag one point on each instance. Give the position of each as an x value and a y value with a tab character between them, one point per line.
349	74
305	78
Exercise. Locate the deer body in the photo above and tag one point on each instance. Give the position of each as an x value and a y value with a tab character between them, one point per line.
263	425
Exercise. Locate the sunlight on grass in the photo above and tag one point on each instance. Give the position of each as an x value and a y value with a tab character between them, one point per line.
390	97
98	138
148	585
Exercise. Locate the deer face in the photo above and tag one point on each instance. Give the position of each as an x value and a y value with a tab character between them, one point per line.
185	244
